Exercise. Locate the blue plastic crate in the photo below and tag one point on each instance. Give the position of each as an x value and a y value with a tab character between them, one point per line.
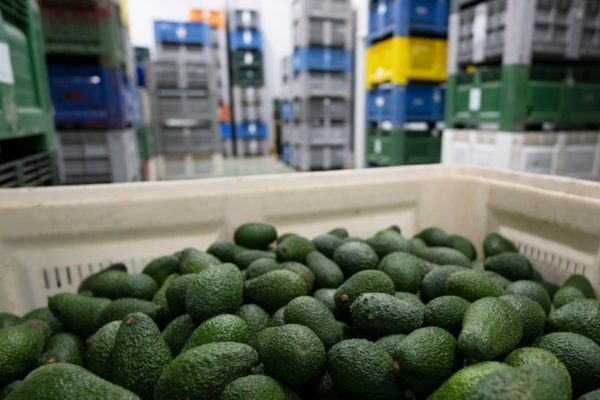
92	97
251	130
287	110
133	102
286	154
189	33
324	59
389	18
226	131
245	39
399	104
140	73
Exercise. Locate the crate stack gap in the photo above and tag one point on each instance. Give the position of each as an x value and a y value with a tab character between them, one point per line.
405	72
93	91
248	81
217	21
285	111
319	109
524	86
185	99
27	142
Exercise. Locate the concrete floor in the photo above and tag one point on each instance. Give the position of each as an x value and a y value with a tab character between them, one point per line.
254	166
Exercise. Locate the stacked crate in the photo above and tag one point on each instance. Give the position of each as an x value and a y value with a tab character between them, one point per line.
91	75
184	97
524	86
286	111
216	20
321	102
406	68
27	156
248	82
145	130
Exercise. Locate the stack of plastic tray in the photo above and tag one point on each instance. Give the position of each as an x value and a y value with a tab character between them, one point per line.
523	67
318	113
248	80
406	68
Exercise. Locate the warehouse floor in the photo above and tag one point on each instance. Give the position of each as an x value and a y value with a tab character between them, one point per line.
254	166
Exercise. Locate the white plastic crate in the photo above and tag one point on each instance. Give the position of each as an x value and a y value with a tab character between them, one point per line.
571	154
189	166
52	238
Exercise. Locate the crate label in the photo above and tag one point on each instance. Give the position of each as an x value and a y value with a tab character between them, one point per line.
6	71
418	101
382	9
377	146
247	37
475	99
181	32
248	58
422	10
479	32
252	129
246	18
380	101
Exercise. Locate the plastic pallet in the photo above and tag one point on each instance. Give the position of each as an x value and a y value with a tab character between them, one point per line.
400	60
389	18
182	33
395	105
315	83
181	75
244	19
198	138
320	158
322	8
90	97
319	109
516	98
330	32
322	134
386	148
245	39
324	59
185	105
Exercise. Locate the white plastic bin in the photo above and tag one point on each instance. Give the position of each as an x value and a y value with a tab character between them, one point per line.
51	238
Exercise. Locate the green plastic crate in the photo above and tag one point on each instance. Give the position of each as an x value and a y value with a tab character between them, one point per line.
146	143
31	171
247	68
517	98
91	30
386	148
25	106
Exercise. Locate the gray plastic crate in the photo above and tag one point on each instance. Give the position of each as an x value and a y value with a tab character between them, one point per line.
193	104
249	104
521	32
334	31
181	75
198	138
287	132
286	71
188	53
306	157
322	108
190	165
326	133
87	157
322	8
244	19
251	147
322	84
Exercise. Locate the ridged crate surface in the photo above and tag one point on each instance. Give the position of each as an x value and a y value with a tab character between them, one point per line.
309	157
193	104
31	171
324	59
318	83
321	133
335	31
317	109
386	148
197	138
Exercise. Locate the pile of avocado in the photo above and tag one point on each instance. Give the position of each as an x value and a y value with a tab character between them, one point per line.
283	317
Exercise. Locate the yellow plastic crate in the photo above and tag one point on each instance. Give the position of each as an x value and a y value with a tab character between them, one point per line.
400	60
125	13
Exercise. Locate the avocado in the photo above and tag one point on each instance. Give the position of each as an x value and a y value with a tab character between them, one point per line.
20	347
139	355
411	298
354	257
278	317
427	357
192	261
342	233
326	389
387	242
217	290
88	282
529	382
244	258
390	343
403	271
119	309
312	313
362	370
302	270
216	365
223	250
472	285
444	256
446	312
582	283
62	348
435	237
512	266
400	258
593	395
565	295
369	281
284	236
5	391
477	265
177	333
534	356
44	314
67	382
532	316
491	328
533	290
160	268
434	283
463	245
140	286
255	235
275	289
108	284
99	348
417	246
579	354
327	273
459	385
326	244
256	318
222	328
550	287
79	314
7	320
292	353
294	248
499	279
495	244
379	314
327	297
351	239
164	313
261	266
254	387
579	316
176	292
